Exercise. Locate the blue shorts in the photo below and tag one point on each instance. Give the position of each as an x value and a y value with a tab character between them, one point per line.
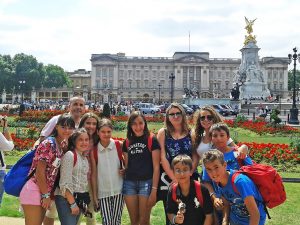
141	187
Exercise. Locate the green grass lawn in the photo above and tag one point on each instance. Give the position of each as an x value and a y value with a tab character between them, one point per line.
239	134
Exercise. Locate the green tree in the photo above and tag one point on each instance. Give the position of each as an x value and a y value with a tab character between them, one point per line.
27	69
6	73
56	77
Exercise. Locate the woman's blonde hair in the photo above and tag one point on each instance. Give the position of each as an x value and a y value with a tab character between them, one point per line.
198	131
169	125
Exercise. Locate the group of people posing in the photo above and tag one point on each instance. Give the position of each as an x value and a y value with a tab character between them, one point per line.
80	169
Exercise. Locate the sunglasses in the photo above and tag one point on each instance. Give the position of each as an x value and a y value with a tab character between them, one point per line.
177	114
208	117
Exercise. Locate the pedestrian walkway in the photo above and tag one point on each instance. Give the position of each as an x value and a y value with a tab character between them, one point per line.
15	221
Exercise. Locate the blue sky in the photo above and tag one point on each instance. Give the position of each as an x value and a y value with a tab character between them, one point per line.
67	32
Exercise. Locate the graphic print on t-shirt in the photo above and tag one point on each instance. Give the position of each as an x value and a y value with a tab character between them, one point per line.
238	206
137	148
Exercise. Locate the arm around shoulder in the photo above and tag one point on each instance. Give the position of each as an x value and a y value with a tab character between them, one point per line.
161	136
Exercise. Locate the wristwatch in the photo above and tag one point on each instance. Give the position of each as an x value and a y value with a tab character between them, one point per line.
47	195
73	205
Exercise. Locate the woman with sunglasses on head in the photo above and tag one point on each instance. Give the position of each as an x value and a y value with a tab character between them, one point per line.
204	119
174	139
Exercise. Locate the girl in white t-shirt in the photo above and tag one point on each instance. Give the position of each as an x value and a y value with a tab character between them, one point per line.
107	175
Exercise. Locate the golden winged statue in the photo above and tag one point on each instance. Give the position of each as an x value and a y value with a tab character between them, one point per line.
249	24
249	28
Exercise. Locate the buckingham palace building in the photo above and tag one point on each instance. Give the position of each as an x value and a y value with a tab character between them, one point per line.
127	78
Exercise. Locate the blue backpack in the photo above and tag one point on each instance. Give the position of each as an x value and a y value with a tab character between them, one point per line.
16	178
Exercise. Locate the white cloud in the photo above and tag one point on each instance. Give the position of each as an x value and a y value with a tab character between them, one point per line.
70	31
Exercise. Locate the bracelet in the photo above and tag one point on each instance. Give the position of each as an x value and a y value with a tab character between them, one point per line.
73	205
212	193
173	220
47	195
155	188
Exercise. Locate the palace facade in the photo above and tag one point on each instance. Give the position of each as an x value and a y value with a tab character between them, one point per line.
117	78
122	78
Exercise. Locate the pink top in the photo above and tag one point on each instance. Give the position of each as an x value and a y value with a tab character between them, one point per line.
46	152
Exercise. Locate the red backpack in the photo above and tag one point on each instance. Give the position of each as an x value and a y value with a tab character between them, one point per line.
119	151
175	192
268	182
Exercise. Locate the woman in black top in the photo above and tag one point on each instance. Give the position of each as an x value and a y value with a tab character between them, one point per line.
142	158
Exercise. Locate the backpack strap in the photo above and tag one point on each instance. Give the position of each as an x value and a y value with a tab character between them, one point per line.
95	153
52	141
174	192
199	192
233	177
127	143
119	150
1	160
120	153
75	158
150	142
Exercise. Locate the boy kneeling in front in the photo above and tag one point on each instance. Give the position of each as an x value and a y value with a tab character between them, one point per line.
188	201
246	206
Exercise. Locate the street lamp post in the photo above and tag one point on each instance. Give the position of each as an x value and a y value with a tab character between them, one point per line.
172	77
22	84
294	110
159	85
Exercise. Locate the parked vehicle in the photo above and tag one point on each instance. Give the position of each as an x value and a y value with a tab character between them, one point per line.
27	105
163	108
221	110
188	110
230	110
146	108
194	107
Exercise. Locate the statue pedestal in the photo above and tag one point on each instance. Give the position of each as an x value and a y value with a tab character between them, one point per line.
254	90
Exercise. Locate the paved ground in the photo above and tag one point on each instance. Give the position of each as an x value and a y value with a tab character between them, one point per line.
14	221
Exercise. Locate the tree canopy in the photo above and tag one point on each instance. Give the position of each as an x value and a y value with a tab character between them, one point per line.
15	70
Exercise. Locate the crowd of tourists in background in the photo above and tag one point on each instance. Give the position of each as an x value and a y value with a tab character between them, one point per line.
79	170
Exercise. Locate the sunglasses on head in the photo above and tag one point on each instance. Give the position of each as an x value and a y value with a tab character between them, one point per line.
208	117
175	114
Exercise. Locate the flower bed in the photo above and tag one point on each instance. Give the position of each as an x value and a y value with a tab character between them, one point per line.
38	116
22	144
262	127
274	154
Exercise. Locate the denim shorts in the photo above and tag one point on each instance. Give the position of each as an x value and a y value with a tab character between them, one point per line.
140	187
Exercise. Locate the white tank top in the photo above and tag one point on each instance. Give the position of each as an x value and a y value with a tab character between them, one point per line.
205	147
